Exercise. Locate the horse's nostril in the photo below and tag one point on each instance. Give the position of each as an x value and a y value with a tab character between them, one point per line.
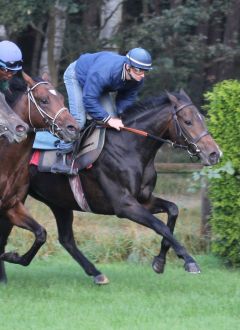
20	129
214	157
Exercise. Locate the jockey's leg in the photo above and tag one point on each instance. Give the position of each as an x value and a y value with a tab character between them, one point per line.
77	110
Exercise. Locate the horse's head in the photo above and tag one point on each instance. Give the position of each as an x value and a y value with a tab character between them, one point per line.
188	127
11	125
46	109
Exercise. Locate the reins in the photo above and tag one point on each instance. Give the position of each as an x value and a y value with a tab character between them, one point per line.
153	137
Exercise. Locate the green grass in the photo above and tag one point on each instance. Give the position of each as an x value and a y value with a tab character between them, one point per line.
53	293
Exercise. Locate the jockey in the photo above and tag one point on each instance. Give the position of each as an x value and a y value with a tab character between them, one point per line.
90	80
10	62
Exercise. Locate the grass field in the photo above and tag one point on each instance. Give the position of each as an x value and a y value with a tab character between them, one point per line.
54	294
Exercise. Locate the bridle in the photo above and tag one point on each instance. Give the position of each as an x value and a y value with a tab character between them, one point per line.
191	143
192	147
53	126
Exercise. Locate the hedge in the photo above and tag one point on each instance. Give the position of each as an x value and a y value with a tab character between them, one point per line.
223	105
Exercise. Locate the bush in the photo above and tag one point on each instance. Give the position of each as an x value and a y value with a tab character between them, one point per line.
224	191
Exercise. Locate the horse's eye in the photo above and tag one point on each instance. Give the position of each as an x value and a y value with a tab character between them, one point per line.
44	101
188	122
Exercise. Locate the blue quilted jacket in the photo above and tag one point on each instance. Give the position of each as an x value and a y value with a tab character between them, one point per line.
103	72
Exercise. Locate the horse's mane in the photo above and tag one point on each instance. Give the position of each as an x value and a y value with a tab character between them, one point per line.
151	103
17	86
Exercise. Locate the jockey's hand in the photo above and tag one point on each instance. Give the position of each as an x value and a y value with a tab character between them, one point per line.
115	123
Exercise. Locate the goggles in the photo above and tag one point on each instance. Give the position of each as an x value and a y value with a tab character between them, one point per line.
138	71
11	66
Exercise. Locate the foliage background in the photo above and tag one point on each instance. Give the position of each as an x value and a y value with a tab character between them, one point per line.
224	122
194	43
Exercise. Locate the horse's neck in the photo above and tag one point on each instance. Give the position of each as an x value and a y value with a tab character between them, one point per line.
155	123
17	154
20	107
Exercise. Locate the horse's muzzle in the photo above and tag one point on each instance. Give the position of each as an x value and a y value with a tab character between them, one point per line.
70	133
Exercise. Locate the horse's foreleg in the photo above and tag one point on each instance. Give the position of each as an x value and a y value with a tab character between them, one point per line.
5	230
64	218
18	216
128	207
158	205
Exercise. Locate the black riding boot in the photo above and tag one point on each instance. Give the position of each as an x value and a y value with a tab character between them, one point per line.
63	164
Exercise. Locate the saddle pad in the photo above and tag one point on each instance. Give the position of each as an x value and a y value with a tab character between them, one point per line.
46	160
91	149
88	154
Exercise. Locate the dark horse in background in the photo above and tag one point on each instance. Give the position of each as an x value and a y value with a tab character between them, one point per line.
40	106
122	180
11	125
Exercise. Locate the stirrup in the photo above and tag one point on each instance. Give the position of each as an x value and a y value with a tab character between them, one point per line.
62	167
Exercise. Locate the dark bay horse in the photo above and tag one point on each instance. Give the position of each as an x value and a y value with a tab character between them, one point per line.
40	106
11	125
122	180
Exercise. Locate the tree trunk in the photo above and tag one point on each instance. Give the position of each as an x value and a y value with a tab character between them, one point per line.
52	47
197	81
91	14
111	18
212	67
145	11
37	48
3	32
231	37
175	3
157	7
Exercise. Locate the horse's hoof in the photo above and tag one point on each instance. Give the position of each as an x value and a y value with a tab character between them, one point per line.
158	265
3	281
192	268
101	279
12	257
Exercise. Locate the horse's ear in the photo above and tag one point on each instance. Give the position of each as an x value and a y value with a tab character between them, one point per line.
30	82
182	92
172	98
45	76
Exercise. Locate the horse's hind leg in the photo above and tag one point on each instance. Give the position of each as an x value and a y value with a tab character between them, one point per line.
19	216
64	218
5	230
159	205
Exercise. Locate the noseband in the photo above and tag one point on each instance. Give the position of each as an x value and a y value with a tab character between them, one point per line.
192	147
54	128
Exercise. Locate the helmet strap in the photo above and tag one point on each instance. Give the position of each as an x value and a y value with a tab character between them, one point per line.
129	73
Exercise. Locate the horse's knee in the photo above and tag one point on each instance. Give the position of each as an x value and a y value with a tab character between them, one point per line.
173	210
41	235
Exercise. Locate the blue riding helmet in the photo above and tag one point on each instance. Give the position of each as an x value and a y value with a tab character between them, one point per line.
139	58
10	56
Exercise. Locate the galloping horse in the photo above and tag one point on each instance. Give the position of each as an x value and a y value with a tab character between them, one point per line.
122	180
41	106
11	125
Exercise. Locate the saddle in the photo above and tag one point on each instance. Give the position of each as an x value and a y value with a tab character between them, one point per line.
85	151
